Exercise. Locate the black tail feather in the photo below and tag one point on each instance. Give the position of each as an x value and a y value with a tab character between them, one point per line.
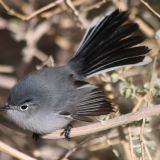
109	44
123	46
123	58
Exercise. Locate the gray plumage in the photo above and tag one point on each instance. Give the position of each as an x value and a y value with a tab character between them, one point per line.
51	98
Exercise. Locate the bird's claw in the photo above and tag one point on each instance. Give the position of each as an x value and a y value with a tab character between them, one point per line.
36	136
67	132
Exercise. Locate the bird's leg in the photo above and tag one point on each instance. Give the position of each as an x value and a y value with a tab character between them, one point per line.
36	136
67	132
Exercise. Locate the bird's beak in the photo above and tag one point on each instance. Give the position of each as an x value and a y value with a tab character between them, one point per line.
5	108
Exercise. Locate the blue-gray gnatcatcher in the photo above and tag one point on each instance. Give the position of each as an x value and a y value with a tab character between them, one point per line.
49	99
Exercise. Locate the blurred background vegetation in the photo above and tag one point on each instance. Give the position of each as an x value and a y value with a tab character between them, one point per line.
39	33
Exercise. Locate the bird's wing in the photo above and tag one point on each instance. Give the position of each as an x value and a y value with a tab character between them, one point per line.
91	102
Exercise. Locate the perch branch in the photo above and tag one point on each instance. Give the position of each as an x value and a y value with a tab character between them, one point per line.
111	123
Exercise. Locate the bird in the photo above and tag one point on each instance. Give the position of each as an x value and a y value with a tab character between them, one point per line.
52	98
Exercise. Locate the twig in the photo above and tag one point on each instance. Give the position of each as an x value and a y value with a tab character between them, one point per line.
75	12
6	69
72	150
130	143
11	11
126	149
59	10
13	152
120	4
148	103
143	26
153	76
157	153
142	139
7	81
111	123
43	9
150	8
116	153
32	37
96	5
104	143
147	152
32	15
137	106
49	63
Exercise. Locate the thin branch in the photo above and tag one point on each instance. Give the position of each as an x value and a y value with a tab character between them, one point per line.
62	9
49	63
115	151
131	143
72	150
147	152
142	139
7	81
13	152
111	123
32	15
43	9
6	69
11	11
126	149
75	12
152	81
157	153
150	8
139	102
143	25
149	99
120	4
94	6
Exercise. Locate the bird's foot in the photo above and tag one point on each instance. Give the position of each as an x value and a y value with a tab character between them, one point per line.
67	132
36	136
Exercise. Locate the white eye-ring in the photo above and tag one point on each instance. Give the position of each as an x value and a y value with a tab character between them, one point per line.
24	107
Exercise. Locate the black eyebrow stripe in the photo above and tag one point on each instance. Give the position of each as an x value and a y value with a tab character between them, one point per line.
27	100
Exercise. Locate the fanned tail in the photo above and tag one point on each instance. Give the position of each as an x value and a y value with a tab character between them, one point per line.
109	44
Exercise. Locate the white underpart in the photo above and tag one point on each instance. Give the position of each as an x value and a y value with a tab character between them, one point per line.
41	125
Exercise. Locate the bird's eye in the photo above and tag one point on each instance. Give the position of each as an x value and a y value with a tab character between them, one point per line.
24	107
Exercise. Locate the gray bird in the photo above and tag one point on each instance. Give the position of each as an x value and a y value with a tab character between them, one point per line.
51	98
